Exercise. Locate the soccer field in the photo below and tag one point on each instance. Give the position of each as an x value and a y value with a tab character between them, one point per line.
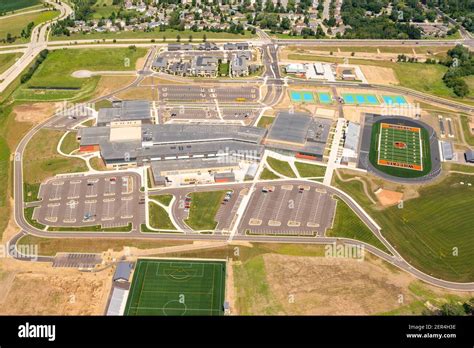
177	287
400	146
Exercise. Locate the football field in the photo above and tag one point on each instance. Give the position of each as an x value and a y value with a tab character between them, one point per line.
177	287
400	146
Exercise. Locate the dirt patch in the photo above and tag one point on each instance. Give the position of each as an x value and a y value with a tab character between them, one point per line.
140	63
388	198
142	93
377	74
109	84
39	289
328	286
35	112
229	284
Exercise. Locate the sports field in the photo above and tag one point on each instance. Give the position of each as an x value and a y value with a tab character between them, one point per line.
302	97
400	150
177	287
362	99
400	146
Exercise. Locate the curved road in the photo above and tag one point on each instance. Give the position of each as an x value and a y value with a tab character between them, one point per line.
39	40
271	55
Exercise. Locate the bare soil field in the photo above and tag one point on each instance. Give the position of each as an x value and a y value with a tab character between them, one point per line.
329	286
39	289
377	74
388	198
108	84
135	93
34	112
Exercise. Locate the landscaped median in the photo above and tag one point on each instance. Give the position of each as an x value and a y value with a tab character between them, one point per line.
281	167
69	143
203	209
310	170
159	217
347	224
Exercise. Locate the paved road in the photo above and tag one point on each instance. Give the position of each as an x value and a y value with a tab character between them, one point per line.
39	38
273	79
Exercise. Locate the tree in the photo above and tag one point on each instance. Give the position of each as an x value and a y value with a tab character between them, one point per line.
460	88
452	309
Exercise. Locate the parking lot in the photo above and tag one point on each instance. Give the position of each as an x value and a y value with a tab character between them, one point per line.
107	200
292	210
77	260
208	112
229	94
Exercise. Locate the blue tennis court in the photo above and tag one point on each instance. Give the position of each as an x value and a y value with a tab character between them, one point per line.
325	98
394	99
367	99
308	97
302	96
295	96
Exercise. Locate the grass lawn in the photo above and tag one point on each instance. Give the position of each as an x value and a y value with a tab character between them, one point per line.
348	225
41	160
159	218
94	228
97	163
14	25
164	199
29	218
265	121
224	69
104	8
281	167
169	35
310	170
204	207
103	104
9	5
53	80
459	167
253	288
427	229
470	82
7	60
268	175
69	143
465	129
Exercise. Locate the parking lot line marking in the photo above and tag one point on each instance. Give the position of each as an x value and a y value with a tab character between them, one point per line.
285	192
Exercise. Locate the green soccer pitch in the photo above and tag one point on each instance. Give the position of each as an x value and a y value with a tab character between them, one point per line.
177	287
400	150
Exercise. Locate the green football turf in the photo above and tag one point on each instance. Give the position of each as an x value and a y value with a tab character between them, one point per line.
389	152
177	287
408	155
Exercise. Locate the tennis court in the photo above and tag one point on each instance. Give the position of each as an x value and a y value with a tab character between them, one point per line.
324	98
394	99
361	99
400	146
177	287
302	96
